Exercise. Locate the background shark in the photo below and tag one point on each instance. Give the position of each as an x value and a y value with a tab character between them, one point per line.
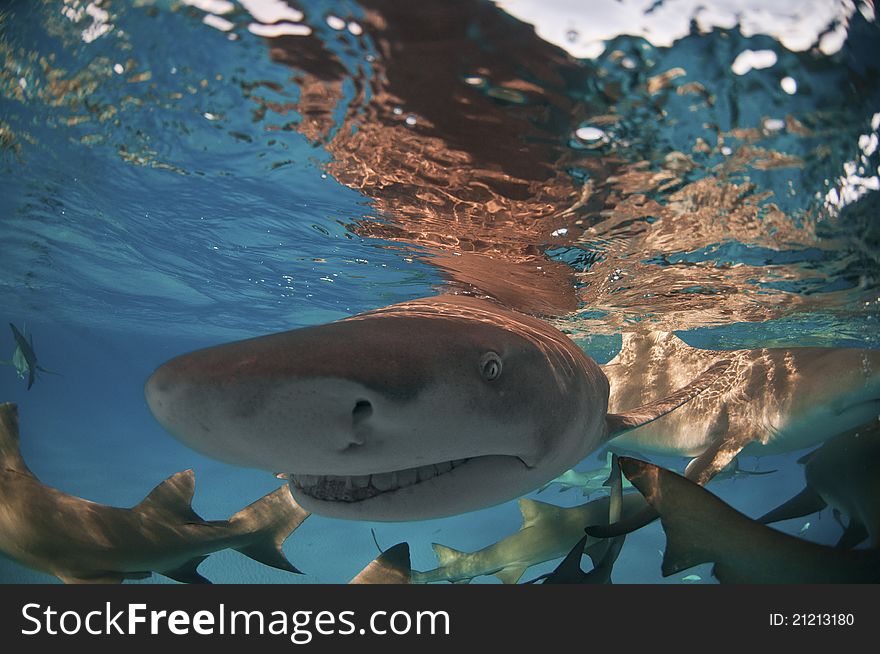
80	541
418	410
548	532
701	528
844	474
768	401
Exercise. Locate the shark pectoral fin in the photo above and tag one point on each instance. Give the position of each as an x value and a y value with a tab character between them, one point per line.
804	503
854	534
622	422
511	575
446	556
31	377
700	470
173	497
269	521
188	573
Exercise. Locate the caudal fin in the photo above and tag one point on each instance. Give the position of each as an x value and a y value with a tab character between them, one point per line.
269	521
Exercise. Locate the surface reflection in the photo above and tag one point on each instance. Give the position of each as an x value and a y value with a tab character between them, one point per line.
519	172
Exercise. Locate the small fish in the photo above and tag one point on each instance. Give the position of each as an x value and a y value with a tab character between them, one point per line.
24	358
805	527
692	578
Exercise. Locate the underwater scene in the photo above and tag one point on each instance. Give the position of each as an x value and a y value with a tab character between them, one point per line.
533	254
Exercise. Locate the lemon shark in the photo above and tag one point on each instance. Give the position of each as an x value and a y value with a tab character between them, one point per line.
767	401
80	541
700	528
844	473
548	532
24	358
419	410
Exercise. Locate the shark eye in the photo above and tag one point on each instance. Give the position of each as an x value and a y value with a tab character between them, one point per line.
490	366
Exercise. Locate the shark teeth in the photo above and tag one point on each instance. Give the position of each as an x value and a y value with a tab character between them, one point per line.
354	488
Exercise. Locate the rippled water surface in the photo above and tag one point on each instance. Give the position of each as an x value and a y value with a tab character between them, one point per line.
178	174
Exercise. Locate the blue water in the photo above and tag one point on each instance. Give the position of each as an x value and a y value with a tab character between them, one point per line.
144	218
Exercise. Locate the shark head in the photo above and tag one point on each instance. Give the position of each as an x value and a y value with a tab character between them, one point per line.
419	410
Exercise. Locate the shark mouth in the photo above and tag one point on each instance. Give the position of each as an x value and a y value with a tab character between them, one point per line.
334	488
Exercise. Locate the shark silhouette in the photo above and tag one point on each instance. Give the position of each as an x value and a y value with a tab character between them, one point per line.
80	541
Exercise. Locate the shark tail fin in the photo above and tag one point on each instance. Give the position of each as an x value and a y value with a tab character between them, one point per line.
173	499
269	521
622	422
10	454
446	555
391	567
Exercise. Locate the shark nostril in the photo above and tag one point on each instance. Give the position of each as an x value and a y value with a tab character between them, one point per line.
363	409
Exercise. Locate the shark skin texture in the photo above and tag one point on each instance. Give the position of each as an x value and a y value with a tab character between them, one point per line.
419	410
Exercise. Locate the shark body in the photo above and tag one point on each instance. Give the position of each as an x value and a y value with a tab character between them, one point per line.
844	473
768	401
80	541
548	532
700	528
419	410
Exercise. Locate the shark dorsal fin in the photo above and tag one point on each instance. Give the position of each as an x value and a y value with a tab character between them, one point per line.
391	567
533	511
446	555
10	454
621	422
173	497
